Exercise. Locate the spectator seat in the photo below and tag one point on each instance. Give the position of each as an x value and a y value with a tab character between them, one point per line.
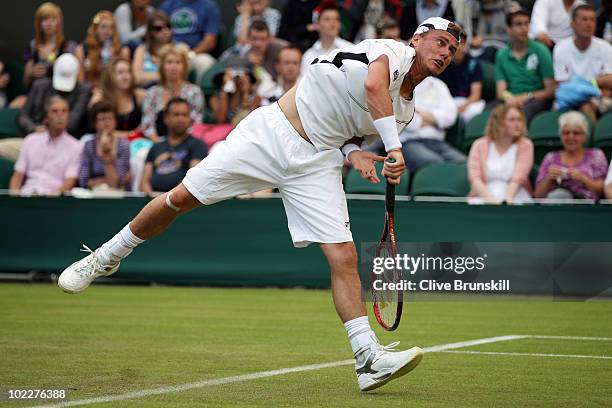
6	171
475	129
8	123
441	179
603	135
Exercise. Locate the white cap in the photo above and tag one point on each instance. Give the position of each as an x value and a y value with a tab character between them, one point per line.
438	23
65	72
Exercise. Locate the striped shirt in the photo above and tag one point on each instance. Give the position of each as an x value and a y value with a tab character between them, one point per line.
92	165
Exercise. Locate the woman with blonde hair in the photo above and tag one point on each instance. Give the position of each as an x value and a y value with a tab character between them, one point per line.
499	163
146	56
173	70
48	43
102	44
117	87
574	172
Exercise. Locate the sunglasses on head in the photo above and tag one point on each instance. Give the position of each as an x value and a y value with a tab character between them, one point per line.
158	28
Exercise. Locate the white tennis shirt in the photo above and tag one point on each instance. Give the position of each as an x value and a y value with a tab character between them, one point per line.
331	99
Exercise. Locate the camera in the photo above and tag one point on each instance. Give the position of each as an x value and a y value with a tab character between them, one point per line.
237	72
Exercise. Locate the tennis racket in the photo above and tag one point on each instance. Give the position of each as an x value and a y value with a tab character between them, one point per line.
387	304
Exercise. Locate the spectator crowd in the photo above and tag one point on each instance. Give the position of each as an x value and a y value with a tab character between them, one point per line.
147	91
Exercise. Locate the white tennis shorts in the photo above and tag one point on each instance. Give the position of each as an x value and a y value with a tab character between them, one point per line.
265	151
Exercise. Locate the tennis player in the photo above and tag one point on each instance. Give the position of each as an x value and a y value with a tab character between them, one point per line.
297	145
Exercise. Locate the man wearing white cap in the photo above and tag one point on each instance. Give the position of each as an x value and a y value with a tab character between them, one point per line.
296	145
64	83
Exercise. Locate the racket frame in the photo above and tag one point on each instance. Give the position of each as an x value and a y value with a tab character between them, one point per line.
388	232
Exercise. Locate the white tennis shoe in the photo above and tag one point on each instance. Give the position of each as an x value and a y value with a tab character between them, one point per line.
78	276
382	364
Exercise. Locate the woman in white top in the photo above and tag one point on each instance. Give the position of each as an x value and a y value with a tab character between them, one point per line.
499	163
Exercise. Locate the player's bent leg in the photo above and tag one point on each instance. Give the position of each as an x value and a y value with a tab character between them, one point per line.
158	214
153	219
375	365
346	286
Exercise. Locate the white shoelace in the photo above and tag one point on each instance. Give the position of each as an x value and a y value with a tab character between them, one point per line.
87	269
87	249
391	346
388	347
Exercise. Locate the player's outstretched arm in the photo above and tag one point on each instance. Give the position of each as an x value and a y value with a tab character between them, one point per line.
381	109
377	88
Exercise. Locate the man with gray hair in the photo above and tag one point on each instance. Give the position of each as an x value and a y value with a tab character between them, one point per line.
49	160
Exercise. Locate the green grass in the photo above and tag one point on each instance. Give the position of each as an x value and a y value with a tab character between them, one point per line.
112	340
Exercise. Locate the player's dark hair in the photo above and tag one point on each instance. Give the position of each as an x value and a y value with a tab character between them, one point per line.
103	106
457	31
259	25
176	101
582	7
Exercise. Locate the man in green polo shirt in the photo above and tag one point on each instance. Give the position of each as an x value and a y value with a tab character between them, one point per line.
524	70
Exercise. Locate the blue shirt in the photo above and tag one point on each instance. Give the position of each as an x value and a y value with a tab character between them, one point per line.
170	163
192	19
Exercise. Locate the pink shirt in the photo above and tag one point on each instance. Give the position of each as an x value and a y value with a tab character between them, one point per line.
47	163
477	160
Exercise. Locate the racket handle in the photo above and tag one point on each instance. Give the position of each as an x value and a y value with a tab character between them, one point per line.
390	194
390	197
390	160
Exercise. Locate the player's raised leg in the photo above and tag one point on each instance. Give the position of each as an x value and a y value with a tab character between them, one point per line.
241	164
375	365
152	220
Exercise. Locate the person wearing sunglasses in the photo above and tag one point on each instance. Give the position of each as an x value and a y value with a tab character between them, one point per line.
146	57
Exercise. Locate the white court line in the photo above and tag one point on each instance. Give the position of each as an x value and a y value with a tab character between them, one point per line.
469	343
502	353
257	375
570	338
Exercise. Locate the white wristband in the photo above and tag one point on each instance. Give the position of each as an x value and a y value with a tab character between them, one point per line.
349	148
388	132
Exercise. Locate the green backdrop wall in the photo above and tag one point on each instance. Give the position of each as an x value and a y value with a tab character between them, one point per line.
246	242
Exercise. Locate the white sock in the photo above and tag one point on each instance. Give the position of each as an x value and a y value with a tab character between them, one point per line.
118	247
360	333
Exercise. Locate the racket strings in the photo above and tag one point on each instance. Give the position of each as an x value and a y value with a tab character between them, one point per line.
386	300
